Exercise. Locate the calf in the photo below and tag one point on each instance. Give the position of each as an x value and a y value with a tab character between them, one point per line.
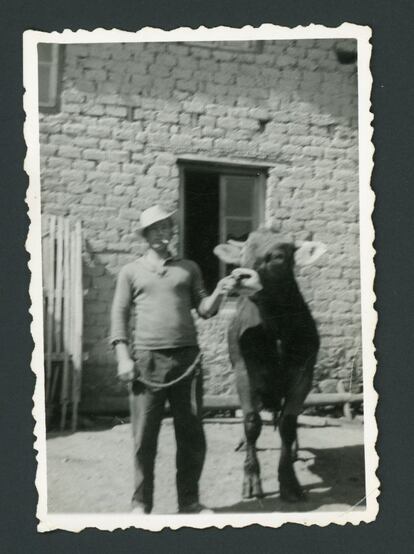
273	344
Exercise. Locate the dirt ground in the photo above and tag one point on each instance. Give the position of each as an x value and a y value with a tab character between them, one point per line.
91	471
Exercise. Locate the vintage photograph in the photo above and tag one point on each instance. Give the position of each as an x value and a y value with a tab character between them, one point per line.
202	276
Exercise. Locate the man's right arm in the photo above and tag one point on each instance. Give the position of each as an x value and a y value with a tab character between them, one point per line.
121	306
126	370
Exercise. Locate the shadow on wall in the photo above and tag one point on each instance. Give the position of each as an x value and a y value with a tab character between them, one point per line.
101	390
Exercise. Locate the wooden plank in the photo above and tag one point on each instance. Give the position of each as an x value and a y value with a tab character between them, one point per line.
78	326
51	302
106	404
318	399
55	378
66	329
326	399
60	356
58	308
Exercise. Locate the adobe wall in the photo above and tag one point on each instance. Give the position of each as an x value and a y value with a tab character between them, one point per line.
127	111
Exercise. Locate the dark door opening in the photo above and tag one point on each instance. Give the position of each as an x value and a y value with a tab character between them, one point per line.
201	222
219	203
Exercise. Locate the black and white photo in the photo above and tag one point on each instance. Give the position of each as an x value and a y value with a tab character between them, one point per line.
202	276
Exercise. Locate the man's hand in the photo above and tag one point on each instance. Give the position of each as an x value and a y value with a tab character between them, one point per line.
226	285
247	281
209	305
126	369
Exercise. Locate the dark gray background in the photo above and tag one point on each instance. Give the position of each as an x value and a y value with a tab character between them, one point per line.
392	98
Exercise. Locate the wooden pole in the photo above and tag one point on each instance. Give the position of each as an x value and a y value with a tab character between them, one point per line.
78	326
59	286
66	324
50	304
347	405
317	399
57	318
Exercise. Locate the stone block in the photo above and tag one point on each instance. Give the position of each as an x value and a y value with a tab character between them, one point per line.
79	187
229	122
159	170
128	214
168	117
314	151
145	181
203	143
224	144
93	109
180	141
165	158
73	129
248	123
108	167
194	107
54	161
48	150
328	386
133	168
73	175
116	111
94	154
109	144
71	108
86	142
97	176
118	156
134	146
92	199
100	131
96	75
116	201
215	110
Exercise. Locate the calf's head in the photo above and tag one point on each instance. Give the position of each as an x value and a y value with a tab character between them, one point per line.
271	258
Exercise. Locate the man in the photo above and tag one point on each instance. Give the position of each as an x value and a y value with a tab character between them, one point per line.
163	290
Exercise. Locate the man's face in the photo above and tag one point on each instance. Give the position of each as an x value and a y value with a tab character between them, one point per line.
159	234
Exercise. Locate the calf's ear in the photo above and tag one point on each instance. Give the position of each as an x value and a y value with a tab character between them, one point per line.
229	253
307	252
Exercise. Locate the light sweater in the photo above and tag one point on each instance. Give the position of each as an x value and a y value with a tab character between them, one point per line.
162	298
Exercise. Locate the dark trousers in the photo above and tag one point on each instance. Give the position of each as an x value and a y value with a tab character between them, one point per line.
147	410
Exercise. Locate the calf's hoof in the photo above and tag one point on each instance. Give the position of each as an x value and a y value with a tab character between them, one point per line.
289	494
252	486
290	489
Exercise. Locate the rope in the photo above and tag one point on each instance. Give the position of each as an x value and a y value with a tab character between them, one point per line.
186	374
192	367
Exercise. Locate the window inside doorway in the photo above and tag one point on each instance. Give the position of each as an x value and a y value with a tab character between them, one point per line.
218	203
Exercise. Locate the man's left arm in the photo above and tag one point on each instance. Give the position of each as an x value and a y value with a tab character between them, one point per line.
207	306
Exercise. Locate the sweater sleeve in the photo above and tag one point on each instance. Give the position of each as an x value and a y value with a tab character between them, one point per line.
198	291
121	307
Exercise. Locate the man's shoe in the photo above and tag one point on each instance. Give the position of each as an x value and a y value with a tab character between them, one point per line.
195	508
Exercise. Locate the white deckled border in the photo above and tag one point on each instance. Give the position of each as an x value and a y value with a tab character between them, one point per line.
78	522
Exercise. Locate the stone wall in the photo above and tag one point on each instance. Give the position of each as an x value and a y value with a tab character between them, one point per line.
126	111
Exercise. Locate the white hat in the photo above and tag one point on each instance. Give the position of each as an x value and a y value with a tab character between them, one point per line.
153	215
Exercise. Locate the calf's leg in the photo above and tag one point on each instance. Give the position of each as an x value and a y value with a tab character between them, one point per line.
290	489
252	485
252	427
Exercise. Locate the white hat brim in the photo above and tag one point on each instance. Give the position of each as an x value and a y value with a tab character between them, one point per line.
169	215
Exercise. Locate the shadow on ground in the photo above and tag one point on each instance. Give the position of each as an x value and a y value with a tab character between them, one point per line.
338	484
